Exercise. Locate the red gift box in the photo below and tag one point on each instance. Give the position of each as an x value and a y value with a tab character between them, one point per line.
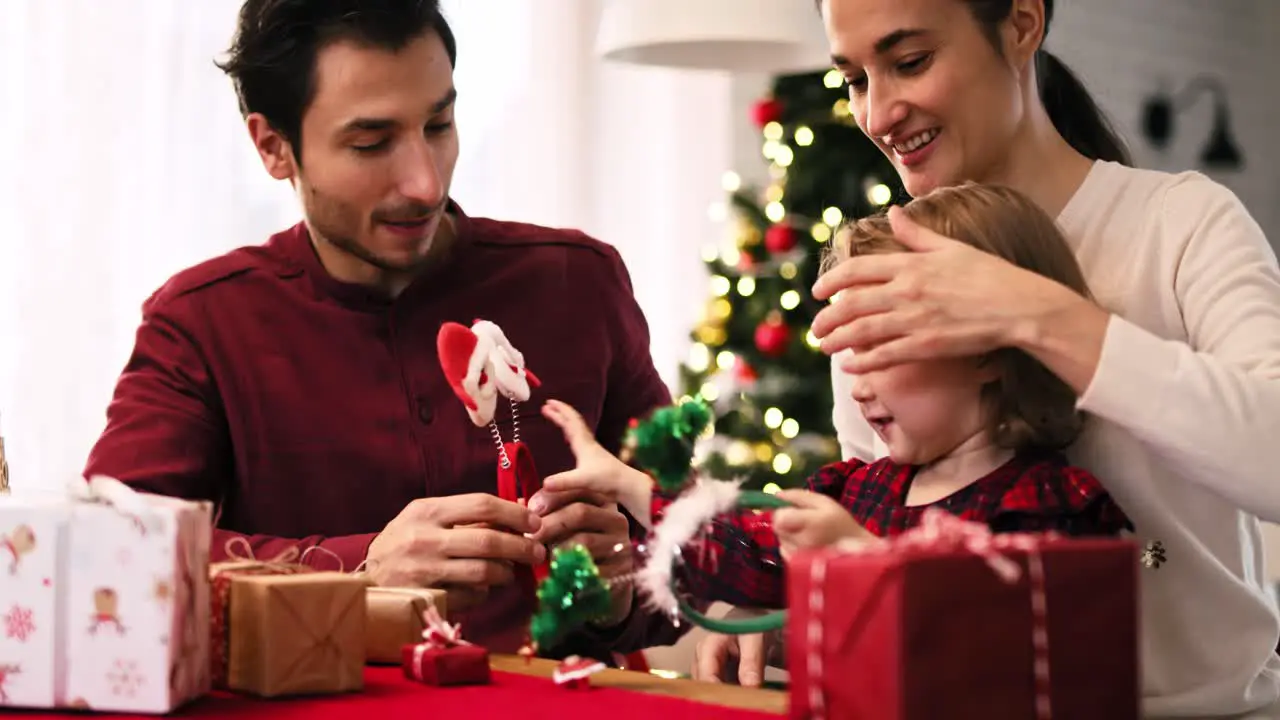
955	623
443	657
459	665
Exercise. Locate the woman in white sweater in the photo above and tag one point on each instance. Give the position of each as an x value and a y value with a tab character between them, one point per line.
1177	363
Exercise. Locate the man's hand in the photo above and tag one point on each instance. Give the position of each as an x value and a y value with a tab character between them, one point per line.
467	542
577	517
814	520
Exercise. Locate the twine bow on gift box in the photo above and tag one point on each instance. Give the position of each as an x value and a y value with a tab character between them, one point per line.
240	556
941	531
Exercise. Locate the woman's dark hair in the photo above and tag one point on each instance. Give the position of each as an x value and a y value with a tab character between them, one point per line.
1069	105
272	58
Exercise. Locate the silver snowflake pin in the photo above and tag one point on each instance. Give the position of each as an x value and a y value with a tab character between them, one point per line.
1153	556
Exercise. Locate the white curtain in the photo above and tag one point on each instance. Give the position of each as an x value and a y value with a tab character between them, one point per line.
631	155
124	160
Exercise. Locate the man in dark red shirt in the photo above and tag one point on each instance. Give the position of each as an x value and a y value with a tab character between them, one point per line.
296	384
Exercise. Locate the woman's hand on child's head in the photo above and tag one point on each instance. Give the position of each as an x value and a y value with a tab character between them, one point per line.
943	299
812	521
597	470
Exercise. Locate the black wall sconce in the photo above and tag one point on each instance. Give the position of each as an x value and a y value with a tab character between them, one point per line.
1159	111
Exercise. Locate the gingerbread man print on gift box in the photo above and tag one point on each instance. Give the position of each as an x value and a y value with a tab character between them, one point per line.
106	607
18	543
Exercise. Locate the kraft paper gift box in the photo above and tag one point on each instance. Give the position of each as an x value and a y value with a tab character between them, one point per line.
104	600
300	633
395	619
944	623
220	576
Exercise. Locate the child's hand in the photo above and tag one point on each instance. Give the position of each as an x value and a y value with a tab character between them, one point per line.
597	471
814	520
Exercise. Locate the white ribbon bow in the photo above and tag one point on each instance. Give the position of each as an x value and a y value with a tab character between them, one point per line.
107	491
438	634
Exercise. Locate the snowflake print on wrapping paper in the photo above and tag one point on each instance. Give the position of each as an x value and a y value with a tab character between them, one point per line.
124	678
19	623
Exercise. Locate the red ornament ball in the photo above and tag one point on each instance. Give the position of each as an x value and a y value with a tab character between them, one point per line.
772	337
766	111
781	238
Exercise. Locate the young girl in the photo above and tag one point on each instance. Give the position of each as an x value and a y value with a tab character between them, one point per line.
980	437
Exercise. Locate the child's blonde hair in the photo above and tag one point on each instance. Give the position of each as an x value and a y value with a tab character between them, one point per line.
1034	408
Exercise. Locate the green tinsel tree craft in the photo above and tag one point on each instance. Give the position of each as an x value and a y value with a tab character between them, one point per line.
572	595
662	445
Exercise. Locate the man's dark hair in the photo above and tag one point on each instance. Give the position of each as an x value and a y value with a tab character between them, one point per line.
272	59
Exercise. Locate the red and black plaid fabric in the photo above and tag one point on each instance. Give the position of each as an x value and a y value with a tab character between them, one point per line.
738	561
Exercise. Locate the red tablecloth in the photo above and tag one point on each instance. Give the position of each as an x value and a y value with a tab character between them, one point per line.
388	694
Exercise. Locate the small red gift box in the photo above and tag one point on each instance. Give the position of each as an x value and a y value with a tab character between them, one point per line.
955	622
459	665
443	657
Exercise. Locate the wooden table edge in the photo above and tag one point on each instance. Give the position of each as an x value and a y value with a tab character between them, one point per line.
729	696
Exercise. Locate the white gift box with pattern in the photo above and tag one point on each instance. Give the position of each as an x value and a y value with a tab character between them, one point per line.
104	600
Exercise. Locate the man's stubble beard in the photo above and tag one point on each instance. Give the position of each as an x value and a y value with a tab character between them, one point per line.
338	226
353	247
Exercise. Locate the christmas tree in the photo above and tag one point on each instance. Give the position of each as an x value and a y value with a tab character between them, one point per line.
753	355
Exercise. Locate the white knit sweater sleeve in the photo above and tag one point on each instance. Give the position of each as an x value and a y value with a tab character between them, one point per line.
1209	406
857	439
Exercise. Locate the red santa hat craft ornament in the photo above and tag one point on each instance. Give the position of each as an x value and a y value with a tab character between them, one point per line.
575	672
480	364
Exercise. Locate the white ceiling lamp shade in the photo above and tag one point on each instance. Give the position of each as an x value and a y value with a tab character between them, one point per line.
768	36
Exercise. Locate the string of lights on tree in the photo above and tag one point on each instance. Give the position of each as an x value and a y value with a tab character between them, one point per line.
753	357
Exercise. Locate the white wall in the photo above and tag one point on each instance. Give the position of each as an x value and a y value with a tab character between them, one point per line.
1126	50
631	155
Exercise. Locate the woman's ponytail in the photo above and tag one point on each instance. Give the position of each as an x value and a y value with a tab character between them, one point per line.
1072	110
1075	114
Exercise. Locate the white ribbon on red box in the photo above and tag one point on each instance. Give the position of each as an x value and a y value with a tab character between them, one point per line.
437	635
